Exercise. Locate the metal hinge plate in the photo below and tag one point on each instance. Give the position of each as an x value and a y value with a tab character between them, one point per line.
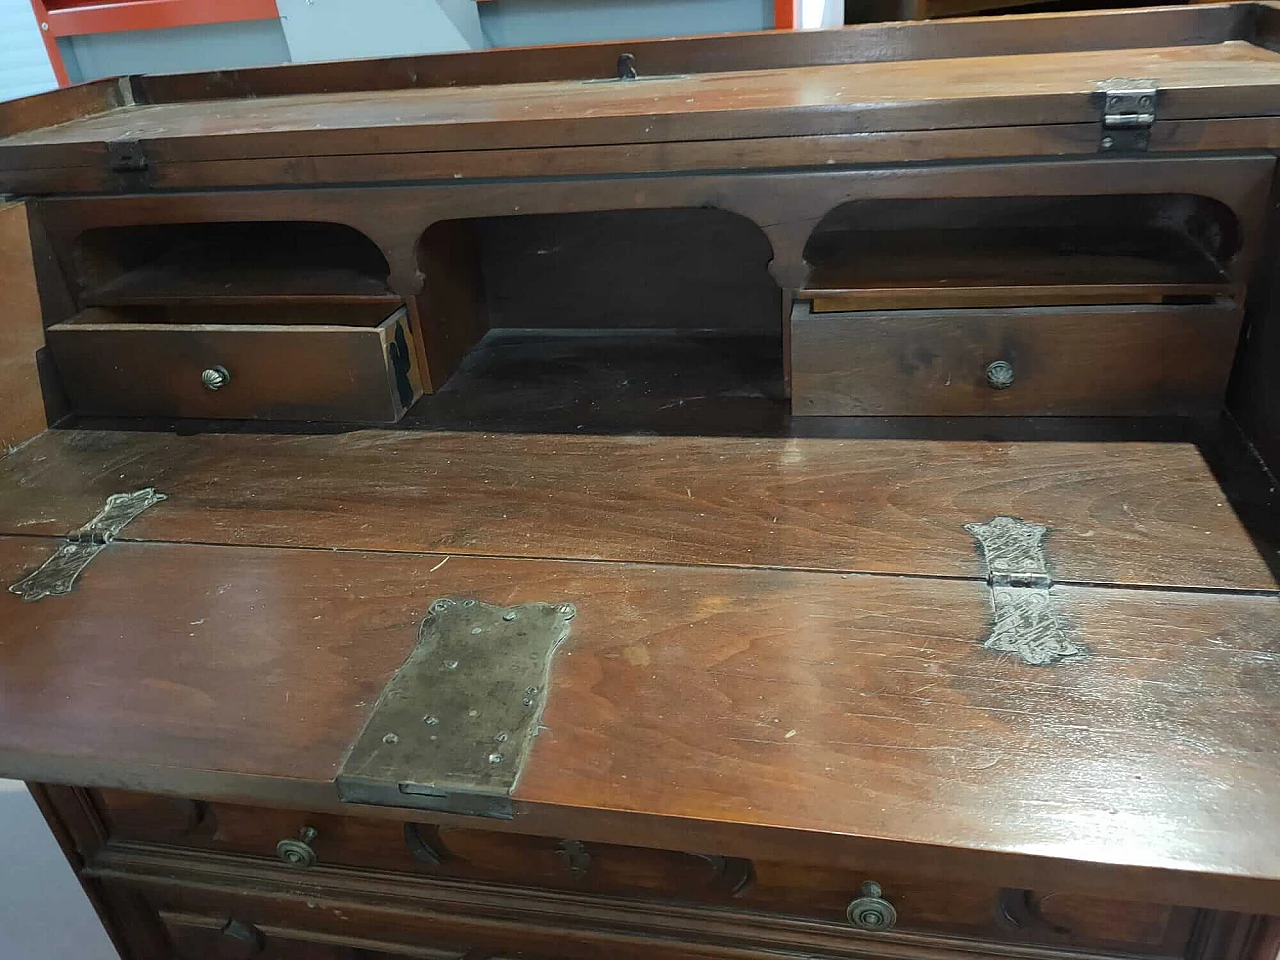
126	156
453	727
1128	114
58	574
1024	621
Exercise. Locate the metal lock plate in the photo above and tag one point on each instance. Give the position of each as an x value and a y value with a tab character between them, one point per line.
453	727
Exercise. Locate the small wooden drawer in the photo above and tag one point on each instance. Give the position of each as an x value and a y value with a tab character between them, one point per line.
1134	360
762	888
359	364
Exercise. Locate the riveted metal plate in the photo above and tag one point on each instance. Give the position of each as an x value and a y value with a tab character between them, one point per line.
1027	624
453	727
58	574
1013	550
1025	621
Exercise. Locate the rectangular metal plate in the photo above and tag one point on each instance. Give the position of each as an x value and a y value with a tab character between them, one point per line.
453	727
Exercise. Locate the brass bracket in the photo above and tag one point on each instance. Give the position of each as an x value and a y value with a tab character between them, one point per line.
453	726
1025	621
58	574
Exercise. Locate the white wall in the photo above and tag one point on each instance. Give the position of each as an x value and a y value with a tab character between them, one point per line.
44	913
24	65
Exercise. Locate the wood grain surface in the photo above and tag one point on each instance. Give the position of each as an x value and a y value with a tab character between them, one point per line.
1129	513
22	412
1196	82
841	707
1133	360
114	366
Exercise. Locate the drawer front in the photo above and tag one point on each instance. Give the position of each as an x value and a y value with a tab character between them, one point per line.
762	887
232	937
286	372
1136	360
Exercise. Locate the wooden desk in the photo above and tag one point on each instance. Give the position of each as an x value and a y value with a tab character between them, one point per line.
864	457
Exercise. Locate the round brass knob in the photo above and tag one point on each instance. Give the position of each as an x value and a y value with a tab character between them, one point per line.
298	853
1000	374
871	911
215	378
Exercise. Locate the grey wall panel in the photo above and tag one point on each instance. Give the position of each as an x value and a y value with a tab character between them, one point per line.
24	65
214	46
509	23
345	29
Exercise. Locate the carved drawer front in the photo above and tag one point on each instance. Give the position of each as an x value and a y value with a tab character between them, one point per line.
871	900
340	362
1128	360
304	840
196	937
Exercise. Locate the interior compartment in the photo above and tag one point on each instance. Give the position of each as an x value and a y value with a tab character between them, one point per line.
1022	251
180	265
591	301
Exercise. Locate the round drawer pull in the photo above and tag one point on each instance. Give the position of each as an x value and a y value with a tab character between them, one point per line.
1000	374
215	378
871	911
298	853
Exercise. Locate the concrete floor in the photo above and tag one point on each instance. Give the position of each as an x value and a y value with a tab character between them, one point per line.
44	915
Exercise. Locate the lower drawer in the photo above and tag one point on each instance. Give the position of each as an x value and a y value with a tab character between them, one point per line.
113	366
196	937
1137	360
313	843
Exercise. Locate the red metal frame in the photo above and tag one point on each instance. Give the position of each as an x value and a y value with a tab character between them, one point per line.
69	18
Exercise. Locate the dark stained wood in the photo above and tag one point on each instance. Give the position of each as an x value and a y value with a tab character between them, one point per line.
910	269
785	206
1255	388
1141	513
906	729
451	311
670	269
527	923
63	105
238	286
116	363
1112	29
778	887
1197	82
22	407
760	153
1137	360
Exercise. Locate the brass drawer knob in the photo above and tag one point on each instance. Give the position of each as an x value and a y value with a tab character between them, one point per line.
1000	374
871	911
298	853
215	378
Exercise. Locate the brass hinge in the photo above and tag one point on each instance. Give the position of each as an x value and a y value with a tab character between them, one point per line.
1024	619
57	575
1128	114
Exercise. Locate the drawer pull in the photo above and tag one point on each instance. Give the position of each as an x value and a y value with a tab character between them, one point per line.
247	939
215	378
871	911
298	853
428	851
1000	374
